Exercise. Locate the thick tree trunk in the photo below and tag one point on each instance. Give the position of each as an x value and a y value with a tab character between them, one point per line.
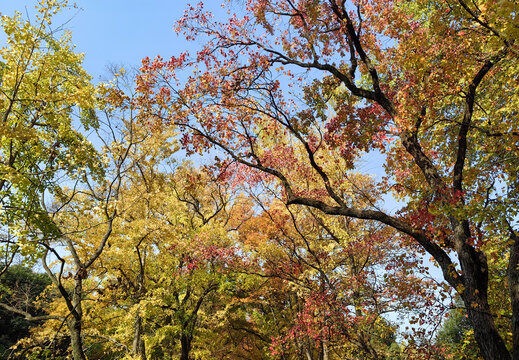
490	342
185	343
513	284
138	347
475	272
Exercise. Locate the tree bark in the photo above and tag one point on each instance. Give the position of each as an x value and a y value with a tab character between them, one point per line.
74	326
185	343
490	342
475	297
74	323
513	284
138	347
324	350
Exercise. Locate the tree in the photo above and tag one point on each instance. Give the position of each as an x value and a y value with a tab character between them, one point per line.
43	87
301	89
332	281
167	300
82	219
78	214
19	288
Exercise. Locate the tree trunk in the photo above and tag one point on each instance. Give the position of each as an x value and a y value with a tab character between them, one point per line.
490	342
513	284
475	272
324	350
138	347
185	342
75	322
74	326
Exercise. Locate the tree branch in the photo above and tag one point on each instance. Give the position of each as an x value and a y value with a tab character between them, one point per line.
457	181
31	317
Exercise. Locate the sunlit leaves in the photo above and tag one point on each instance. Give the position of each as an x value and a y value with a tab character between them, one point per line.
43	87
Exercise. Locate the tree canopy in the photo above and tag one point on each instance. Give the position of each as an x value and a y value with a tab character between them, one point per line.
298	90
273	243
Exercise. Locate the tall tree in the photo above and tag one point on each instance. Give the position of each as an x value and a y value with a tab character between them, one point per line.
165	301
294	88
43	88
77	215
43	91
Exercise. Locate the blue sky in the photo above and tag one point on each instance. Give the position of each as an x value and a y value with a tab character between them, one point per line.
120	32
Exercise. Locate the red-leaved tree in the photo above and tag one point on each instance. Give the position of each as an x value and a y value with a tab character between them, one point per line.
298	90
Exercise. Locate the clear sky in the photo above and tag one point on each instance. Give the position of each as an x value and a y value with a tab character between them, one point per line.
120	32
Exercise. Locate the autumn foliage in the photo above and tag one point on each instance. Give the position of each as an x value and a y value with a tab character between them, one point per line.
282	245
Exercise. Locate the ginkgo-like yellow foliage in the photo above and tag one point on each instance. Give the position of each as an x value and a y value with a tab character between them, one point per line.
43	91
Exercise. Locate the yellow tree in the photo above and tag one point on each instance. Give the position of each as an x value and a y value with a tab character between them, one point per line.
182	257
42	88
78	214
